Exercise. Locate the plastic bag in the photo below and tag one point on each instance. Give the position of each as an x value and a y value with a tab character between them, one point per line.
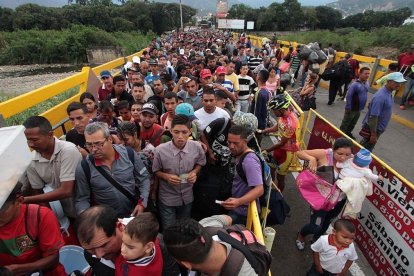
313	57
321	56
305	52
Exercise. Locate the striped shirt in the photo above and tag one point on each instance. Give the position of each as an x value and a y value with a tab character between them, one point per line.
246	83
254	62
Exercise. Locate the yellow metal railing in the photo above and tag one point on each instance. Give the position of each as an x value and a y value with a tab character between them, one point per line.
253	222
57	114
377	72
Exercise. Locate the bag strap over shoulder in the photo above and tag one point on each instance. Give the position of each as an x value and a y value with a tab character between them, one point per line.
237	245
32	221
115	183
233	263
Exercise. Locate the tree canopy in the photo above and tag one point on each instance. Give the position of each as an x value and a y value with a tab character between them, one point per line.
130	16
291	16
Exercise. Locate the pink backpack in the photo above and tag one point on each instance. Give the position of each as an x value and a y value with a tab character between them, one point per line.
320	194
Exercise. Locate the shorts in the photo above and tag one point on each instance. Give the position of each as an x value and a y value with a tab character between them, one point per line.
283	159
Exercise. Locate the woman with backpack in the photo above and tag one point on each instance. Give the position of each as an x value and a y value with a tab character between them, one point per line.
305	96
324	160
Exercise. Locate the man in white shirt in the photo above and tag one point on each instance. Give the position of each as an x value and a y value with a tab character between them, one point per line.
209	112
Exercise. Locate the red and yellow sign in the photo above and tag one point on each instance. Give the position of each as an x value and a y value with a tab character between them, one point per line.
385	226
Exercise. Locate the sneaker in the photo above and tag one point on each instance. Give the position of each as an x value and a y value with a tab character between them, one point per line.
329	103
300	245
402	107
411	103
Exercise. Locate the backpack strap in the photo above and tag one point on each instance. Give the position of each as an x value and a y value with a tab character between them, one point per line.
235	244
32	221
156	136
87	170
233	263
239	167
163	119
240	170
131	155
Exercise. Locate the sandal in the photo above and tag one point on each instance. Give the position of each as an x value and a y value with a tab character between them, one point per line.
300	245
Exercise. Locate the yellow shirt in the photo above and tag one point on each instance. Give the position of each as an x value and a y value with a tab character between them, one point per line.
234	80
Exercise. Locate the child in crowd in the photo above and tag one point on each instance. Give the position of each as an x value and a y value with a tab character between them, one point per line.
355	181
136	108
124	112
138	92
333	254
140	251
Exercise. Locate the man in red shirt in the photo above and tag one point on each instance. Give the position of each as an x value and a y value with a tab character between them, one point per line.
151	132
405	63
107	85
30	237
287	125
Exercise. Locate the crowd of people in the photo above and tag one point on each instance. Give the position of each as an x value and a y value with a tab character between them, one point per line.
150	162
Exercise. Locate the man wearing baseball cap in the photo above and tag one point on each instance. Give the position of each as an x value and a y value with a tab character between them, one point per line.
379	111
224	85
151	132
107	85
406	65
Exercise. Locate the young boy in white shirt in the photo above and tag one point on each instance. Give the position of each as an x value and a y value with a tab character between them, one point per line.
333	254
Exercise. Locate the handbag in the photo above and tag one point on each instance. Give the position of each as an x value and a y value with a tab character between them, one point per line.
365	133
308	103
320	194
279	209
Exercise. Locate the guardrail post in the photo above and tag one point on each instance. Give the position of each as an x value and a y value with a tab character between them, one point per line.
83	87
2	121
374	71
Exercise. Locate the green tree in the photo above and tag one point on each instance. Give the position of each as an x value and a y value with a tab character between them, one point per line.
328	18
239	11
294	16
310	18
6	19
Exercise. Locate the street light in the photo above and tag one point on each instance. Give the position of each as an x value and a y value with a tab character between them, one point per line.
181	16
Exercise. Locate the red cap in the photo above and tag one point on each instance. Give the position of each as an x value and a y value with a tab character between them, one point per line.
221	70
205	73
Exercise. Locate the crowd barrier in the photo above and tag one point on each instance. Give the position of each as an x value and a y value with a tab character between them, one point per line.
378	65
385	232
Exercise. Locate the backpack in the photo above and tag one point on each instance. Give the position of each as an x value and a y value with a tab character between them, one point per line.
342	69
266	176
244	246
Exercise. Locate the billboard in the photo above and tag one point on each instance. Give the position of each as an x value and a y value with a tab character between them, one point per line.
230	24
250	25
385	232
221	8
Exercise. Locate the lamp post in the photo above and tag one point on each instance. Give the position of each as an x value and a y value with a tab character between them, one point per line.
181	16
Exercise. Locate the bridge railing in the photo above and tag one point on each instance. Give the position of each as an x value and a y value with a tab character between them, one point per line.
378	65
77	84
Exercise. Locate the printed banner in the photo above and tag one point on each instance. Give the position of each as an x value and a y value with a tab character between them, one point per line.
385	226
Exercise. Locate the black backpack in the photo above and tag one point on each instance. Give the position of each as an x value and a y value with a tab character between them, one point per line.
244	246
342	69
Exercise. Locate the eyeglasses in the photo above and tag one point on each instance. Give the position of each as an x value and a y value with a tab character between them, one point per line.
97	145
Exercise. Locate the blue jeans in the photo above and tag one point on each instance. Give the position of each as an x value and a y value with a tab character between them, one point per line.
320	221
409	87
170	214
237	218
